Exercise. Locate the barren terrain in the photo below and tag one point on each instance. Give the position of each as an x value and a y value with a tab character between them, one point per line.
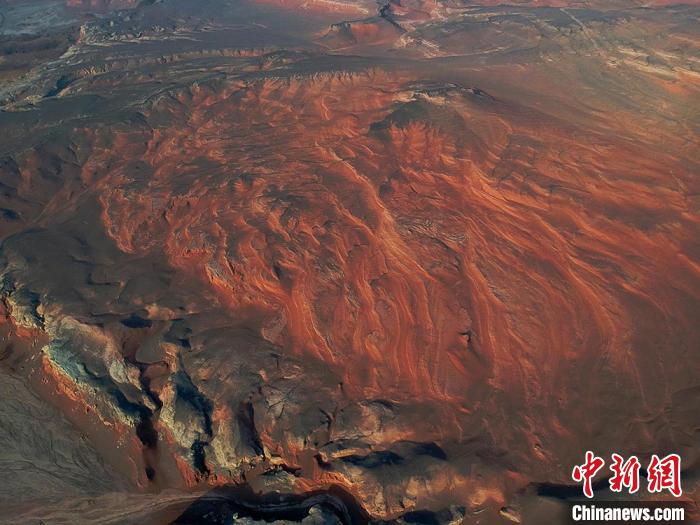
398	263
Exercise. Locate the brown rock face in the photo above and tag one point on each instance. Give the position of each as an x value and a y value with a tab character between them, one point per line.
407	267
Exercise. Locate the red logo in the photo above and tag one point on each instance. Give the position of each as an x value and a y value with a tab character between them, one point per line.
664	473
625	474
587	471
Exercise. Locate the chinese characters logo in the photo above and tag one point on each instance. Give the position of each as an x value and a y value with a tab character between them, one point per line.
663	473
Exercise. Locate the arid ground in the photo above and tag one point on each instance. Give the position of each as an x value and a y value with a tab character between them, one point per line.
339	261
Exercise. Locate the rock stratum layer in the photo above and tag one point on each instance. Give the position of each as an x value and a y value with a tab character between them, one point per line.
336	262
